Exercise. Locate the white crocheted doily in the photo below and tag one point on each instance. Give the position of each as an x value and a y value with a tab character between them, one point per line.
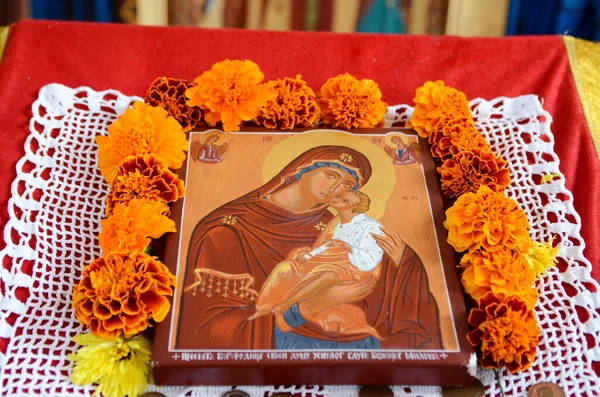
57	202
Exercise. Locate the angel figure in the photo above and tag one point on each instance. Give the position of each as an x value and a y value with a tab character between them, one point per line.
403	153
209	151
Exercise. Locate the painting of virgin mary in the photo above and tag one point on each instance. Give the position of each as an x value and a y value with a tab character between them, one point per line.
249	236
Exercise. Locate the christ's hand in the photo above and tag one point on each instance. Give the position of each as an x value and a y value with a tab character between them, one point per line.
392	244
299	254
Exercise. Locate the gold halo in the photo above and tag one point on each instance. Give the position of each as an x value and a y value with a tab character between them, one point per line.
383	178
407	139
203	136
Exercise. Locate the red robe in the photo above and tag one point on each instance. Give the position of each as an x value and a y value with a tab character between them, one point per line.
401	307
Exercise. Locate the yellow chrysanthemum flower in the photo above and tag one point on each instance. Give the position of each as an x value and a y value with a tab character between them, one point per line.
541	257
119	367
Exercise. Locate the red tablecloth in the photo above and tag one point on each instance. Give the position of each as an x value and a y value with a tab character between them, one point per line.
128	58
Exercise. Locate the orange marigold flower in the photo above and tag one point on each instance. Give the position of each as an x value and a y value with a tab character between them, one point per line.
504	273
487	219
130	225
295	105
121	292
142	129
169	93
348	102
435	105
143	177
507	332
230	92
455	136
468	170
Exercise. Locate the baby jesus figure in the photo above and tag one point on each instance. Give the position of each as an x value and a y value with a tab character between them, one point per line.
345	251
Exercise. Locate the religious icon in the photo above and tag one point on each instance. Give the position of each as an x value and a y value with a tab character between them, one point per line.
209	151
403	153
308	259
306	242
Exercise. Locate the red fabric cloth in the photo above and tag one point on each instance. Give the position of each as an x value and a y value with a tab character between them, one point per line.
128	58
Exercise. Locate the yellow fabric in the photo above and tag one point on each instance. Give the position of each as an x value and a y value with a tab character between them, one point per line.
584	58
3	36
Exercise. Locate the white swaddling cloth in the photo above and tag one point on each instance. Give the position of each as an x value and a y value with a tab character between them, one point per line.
366	254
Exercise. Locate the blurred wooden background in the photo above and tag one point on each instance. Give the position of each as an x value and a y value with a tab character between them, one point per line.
579	18
459	17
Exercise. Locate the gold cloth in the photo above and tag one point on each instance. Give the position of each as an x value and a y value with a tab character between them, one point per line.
584	59
3	37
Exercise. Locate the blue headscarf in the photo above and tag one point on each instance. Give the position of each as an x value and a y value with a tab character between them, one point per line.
329	164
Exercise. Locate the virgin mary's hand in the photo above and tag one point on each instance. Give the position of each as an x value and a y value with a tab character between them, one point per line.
392	244
336	294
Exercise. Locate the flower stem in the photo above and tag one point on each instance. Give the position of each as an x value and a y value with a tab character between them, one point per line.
499	384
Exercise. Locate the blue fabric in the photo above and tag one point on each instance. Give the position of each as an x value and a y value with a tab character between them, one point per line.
512	24
80	10
579	18
103	10
400	152
293	317
291	341
328	164
77	10
382	16
532	16
569	16
596	31
49	9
